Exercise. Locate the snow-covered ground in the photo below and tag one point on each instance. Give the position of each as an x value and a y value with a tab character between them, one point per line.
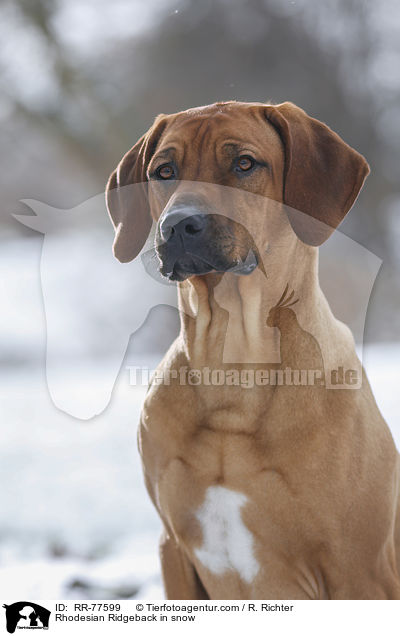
75	520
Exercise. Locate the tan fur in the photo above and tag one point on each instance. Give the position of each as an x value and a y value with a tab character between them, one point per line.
318	467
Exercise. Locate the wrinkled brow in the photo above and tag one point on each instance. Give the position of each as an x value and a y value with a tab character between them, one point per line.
165	152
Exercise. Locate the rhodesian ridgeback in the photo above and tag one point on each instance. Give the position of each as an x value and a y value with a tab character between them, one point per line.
287	487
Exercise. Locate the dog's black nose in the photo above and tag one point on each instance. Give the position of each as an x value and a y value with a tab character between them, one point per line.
184	222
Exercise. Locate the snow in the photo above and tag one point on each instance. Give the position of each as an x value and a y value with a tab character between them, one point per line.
75	519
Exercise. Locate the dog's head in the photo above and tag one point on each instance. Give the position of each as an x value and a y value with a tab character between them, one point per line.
197	173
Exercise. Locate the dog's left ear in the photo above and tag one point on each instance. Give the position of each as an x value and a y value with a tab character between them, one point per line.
128	206
323	175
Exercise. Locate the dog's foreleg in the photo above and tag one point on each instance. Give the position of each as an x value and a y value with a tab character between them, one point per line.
181	580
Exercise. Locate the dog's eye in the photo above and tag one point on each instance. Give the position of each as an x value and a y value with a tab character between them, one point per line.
165	172
245	163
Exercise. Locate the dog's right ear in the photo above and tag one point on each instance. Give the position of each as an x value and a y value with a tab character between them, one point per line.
128	207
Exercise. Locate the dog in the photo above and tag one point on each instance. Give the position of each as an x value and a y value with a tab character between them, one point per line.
284	490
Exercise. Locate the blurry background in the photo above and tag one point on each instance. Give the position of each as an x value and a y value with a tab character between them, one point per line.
80	81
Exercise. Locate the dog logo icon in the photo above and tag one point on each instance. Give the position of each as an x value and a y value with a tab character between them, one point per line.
26	615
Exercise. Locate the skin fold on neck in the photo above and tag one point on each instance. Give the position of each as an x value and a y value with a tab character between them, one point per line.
224	316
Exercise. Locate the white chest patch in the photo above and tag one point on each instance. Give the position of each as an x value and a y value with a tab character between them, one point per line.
227	543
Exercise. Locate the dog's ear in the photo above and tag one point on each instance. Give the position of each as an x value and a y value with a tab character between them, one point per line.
323	175
128	206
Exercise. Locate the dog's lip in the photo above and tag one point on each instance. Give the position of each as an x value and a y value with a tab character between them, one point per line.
247	266
240	267
178	273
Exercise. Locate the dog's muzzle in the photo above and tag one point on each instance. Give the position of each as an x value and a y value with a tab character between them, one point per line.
191	242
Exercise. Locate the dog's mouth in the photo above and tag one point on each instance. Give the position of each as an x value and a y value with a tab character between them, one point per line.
190	242
187	265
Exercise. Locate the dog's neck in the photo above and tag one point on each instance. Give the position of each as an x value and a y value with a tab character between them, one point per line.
232	324
224	316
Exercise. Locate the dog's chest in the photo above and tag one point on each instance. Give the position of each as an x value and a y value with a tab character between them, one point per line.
227	544
204	495
212	521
